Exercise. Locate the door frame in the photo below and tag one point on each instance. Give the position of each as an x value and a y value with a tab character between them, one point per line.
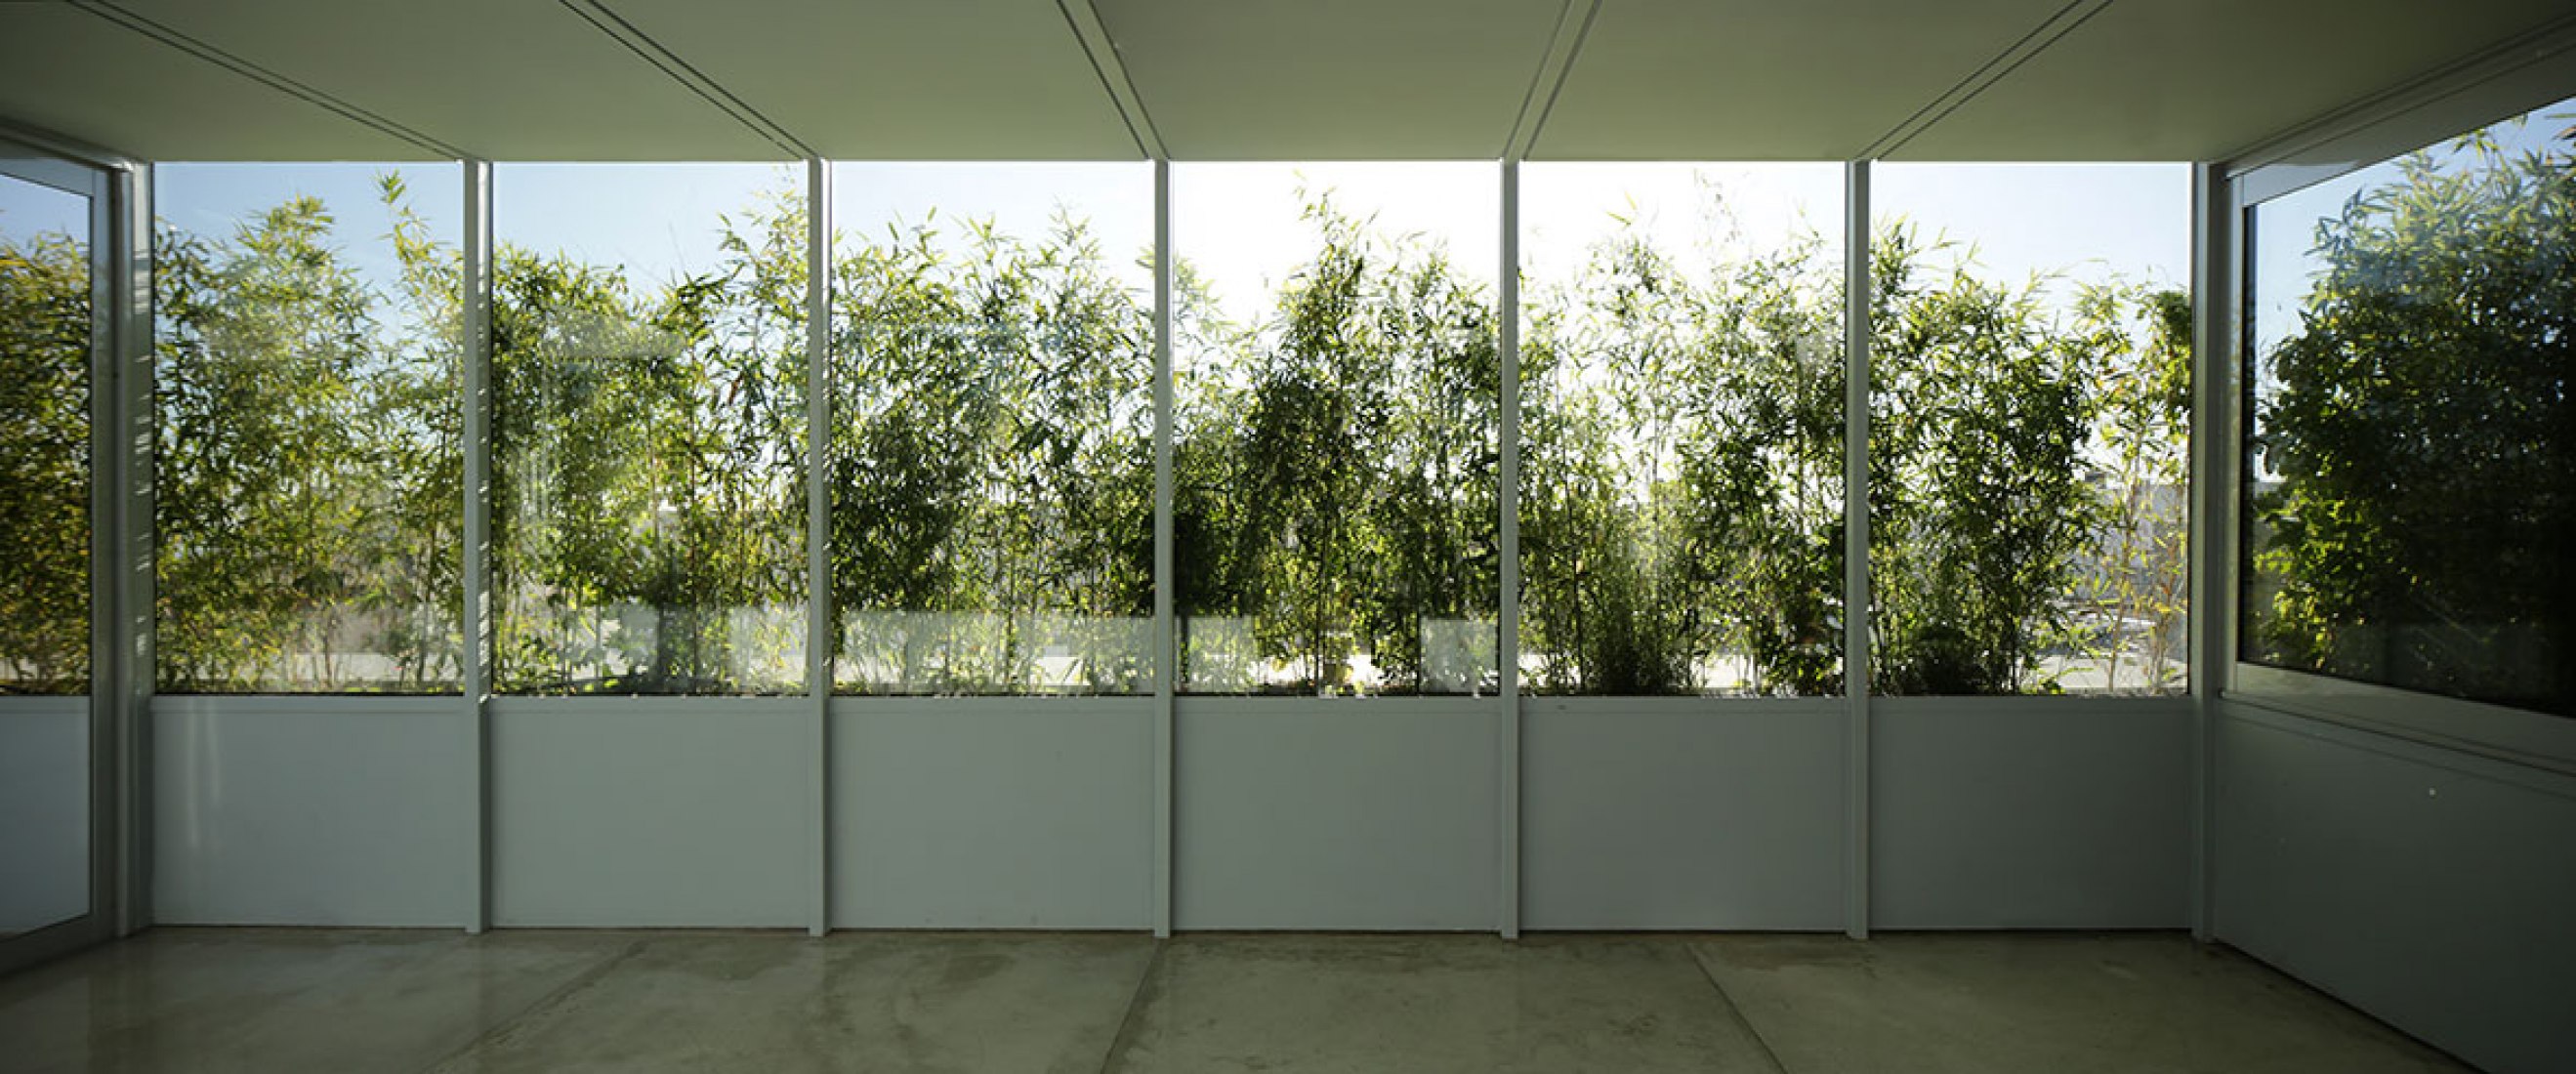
107	187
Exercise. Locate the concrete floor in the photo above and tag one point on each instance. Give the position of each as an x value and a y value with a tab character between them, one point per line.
339	1000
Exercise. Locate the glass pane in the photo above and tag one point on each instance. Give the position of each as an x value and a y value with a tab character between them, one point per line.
44	439
45	333
1681	511
2030	428
992	467
648	363
308	463
1336	392
2412	464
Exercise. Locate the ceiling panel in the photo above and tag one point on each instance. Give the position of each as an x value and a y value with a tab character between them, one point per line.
1331	79
81	76
1768	79
909	80
2200	79
499	79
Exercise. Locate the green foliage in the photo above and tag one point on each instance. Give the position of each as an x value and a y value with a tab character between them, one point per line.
1336	471
2420	427
991	466
990	478
307	488
648	532
1682	473
2025	472
44	464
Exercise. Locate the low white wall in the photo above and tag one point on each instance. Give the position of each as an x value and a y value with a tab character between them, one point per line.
2427	886
1336	813
2031	812
1011	813
653	812
44	811
1682	813
312	811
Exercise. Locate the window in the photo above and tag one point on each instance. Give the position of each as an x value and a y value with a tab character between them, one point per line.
44	440
992	466
2411	470
2029	428
307	477
1336	393
648	360
1682	429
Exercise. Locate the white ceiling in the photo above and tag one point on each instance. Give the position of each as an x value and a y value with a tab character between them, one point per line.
1216	79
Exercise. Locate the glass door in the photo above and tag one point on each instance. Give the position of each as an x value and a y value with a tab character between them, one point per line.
52	214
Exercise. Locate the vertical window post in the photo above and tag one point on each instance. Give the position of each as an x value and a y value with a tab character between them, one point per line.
2211	645
1856	655
1167	658
476	626
818	521
1507	643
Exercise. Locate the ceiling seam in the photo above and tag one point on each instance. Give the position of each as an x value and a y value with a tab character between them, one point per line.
208	53
669	63
2031	44
1516	146
1149	141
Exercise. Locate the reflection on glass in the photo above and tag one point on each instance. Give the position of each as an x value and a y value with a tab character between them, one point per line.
992	470
649	421
45	332
1337	385
1682	430
307	485
2029	429
2411	475
44	439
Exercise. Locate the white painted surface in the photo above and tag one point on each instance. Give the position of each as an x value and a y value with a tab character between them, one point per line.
651	811
44	811
2426	886
2054	813
1682	813
1013	813
1335	813
311	811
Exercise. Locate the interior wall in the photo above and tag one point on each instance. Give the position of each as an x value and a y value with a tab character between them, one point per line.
2427	886
2031	813
992	813
1682	813
312	811
44	811
664	812
1289	813
1296	813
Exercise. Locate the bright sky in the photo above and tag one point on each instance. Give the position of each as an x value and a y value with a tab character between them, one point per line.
31	209
1237	224
213	201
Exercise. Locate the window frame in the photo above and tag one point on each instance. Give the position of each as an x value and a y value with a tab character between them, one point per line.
2456	102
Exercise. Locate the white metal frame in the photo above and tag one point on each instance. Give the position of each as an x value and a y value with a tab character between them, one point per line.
118	191
1856	599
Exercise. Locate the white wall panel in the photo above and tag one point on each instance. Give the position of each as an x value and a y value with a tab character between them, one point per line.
1682	813
1325	813
992	813
311	811
652	811
44	811
2425	886
2054	813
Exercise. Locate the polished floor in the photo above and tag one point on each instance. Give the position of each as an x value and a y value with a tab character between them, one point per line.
340	1000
